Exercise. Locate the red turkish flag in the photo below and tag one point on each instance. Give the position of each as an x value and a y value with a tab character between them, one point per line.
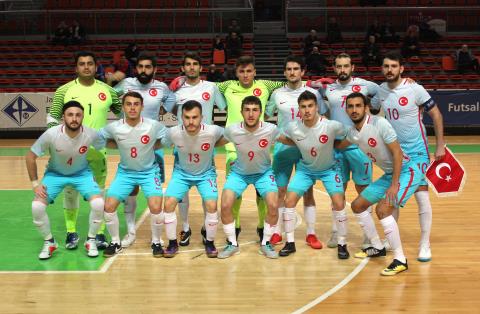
446	176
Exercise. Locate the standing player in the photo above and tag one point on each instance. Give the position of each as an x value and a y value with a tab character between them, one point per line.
376	137
207	94
314	136
284	100
67	145
404	103
135	137
194	143
351	159
252	139
155	95
97	98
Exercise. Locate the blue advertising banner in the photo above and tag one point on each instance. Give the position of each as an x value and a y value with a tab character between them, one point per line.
458	108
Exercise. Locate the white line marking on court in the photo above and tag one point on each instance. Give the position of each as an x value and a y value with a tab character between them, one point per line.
339	286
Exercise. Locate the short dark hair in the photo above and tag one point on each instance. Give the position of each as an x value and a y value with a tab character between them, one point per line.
341	56
191	55
131	94
357	95
296	59
85	54
70	104
395	56
191	104
145	56
245	60
307	95
251	100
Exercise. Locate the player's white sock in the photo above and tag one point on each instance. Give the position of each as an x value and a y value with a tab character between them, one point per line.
310	218
97	206
40	219
229	230
289	218
171	225
278	227
334	222
268	230
424	216
183	210
130	207
156	223
111	220
341	221
392	234
365	221
211	225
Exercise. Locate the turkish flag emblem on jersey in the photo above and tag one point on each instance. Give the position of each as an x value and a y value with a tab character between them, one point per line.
102	96
356	88
257	92
446	176
206	96
153	92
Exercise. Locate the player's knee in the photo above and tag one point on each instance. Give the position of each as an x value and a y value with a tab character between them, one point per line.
38	212
170	203
110	206
357	207
338	202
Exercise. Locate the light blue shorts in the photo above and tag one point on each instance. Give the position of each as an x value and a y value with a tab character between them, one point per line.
263	182
81	181
355	161
410	178
126	180
284	157
304	179
181	182
421	161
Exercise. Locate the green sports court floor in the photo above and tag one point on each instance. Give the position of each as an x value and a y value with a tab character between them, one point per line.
21	242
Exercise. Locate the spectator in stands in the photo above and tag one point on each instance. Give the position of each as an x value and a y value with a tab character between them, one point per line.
371	52
77	33
234	46
411	44
375	30
131	54
427	33
466	61
229	74
310	41
122	70
334	34
61	35
316	63
218	43
100	74
214	74
388	34
234	27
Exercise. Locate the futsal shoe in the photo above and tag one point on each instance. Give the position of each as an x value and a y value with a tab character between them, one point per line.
101	241
112	249
333	241
91	247
288	249
276	239
128	240
71	243
203	232
371	252
313	242
260	234
229	251
49	246
210	249
424	253
342	252
157	249
171	250
394	268
185	237
268	251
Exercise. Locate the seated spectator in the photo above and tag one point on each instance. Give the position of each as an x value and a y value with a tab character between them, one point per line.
235	28
214	74
427	33
77	33
218	43
316	63
466	61
131	54
388	34
334	34
310	41
100	74
234	46
122	70
61	35
375	30
411	44
229	73
371	52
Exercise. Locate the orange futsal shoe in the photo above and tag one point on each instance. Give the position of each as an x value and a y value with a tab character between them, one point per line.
313	242
275	239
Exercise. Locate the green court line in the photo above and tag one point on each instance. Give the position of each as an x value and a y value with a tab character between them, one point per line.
22	242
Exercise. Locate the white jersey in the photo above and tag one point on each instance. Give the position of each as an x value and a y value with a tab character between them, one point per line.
253	148
135	144
67	155
206	93
195	153
316	143
402	109
285	101
373	138
155	94
337	93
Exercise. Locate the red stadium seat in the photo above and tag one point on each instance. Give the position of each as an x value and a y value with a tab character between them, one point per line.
448	64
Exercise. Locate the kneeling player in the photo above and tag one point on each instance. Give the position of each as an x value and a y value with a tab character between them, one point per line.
67	145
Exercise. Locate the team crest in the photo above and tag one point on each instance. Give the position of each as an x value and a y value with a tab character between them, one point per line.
83	149
323	138
372	142
145	139
102	96
257	92
403	101
263	143
206	96
205	146
153	92
356	88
